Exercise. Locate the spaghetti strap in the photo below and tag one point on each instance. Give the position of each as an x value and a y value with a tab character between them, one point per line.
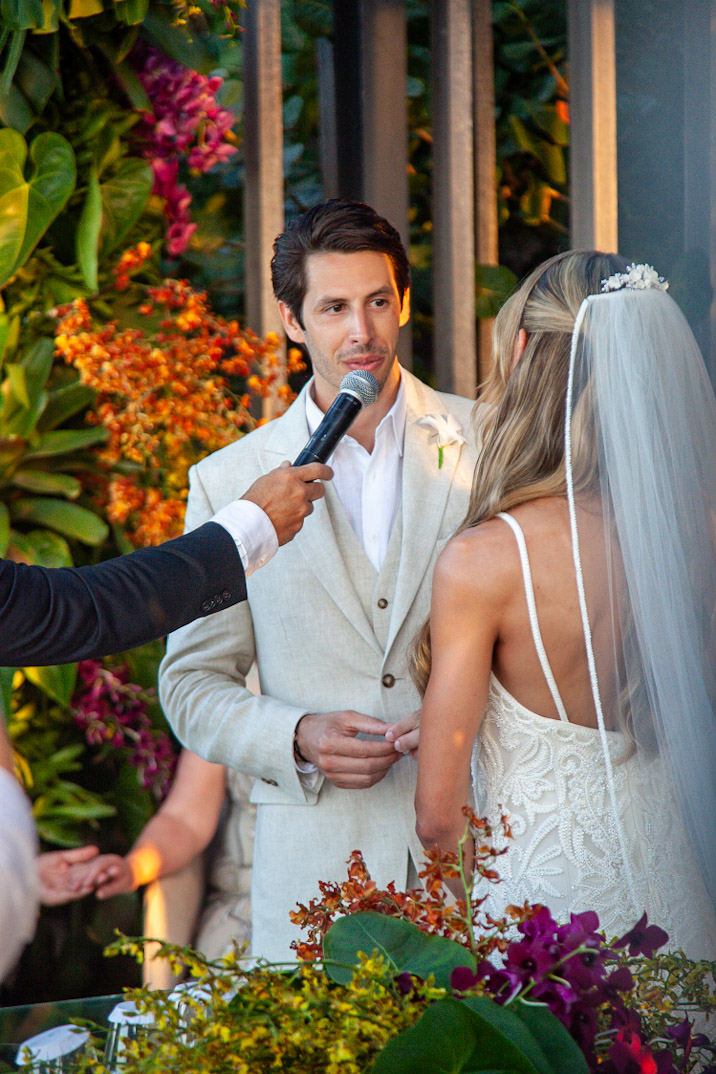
532	612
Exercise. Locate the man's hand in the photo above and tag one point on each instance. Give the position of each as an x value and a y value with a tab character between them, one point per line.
287	493
329	740
405	733
61	877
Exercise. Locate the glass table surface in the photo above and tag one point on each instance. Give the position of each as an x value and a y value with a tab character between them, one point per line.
18	1024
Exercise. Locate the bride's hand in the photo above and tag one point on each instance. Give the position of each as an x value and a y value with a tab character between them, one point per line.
405	733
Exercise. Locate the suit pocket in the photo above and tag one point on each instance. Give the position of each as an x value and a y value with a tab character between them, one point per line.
263	793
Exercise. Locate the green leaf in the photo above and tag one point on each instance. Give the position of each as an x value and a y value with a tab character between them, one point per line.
42	548
124	198
13	222
13	143
64	441
131	12
51	181
552	157
12	58
57	682
15	111
4	528
448	1039
404	946
132	86
557	1044
502	1020
47	484
36	80
69	519
523	139
63	403
18	383
88	232
189	49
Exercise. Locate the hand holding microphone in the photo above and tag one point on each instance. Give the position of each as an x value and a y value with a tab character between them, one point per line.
358	389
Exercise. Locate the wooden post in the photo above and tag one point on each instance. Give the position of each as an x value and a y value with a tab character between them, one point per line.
263	147
453	200
593	147
486	252
384	121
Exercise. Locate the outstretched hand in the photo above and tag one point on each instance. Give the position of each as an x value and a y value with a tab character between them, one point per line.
330	741
287	494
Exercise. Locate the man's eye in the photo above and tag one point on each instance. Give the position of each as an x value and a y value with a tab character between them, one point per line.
335	308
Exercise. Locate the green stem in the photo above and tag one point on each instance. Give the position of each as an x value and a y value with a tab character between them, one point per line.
467	885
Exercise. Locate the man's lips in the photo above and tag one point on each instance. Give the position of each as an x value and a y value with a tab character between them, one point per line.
368	361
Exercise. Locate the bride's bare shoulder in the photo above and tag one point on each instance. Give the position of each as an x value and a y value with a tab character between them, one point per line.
481	558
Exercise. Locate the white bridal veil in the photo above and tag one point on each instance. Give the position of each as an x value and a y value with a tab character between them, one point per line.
641	438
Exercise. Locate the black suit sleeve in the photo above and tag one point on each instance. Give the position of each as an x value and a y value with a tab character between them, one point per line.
56	616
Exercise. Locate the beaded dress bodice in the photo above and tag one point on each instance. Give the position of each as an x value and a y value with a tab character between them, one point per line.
567	851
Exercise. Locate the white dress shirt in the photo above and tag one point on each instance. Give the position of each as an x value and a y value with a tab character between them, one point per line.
252	530
18	869
368	484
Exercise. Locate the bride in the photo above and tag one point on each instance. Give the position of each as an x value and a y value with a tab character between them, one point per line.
568	662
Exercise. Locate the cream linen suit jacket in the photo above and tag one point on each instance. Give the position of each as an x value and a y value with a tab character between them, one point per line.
317	651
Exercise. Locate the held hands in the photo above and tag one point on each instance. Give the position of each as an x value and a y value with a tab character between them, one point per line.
65	875
287	493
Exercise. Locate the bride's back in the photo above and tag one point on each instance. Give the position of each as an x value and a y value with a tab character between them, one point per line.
545	524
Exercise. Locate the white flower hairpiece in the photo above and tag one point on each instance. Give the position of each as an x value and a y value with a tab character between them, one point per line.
636	278
445	429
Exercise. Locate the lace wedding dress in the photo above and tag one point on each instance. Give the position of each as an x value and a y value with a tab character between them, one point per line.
566	850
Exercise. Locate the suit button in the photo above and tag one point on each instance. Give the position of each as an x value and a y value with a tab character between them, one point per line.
271	782
226	595
382	603
206	605
388	680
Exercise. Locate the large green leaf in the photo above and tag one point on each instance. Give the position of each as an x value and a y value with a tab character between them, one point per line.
42	548
189	49
69	519
12	58
12	450
493	286
57	682
559	1047
61	441
88	232
401	943
505	1022
124	198
14	145
37	363
36	80
449	1039
15	110
51	182
42	483
132	86
63	403
131	12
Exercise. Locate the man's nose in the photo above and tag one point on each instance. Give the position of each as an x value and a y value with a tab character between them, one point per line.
360	327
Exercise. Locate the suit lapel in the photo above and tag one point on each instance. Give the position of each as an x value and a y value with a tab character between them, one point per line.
426	487
317	539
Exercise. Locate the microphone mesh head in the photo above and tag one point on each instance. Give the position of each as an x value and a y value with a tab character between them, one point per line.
361	383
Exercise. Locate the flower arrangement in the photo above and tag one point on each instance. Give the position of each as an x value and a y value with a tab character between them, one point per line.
168	393
404	985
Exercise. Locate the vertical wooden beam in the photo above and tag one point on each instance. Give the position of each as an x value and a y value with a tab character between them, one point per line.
263	149
453	200
593	148
327	128
486	252
384	142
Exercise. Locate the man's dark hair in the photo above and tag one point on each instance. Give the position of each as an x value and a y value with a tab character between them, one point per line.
334	226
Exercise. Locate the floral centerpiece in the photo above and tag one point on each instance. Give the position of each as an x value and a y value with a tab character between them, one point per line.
400	982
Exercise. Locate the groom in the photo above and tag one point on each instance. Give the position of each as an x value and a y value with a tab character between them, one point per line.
330	622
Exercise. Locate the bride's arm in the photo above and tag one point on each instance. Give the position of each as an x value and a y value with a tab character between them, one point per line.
468	595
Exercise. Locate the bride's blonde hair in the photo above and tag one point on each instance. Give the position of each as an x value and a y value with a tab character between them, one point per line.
521	408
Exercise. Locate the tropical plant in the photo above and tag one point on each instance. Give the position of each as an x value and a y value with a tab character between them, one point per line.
404	985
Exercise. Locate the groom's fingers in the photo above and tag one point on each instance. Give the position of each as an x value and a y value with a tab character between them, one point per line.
329	740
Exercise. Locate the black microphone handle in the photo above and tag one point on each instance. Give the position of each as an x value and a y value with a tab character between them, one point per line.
337	420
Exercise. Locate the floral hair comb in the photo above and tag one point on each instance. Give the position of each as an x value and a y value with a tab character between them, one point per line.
636	278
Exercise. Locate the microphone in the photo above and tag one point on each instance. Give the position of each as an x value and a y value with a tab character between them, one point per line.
358	389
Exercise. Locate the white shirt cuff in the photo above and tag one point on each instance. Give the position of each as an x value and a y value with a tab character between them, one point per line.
252	531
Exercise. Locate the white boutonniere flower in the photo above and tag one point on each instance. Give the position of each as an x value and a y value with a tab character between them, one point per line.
445	431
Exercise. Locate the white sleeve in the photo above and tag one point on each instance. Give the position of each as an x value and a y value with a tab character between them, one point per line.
18	868
252	531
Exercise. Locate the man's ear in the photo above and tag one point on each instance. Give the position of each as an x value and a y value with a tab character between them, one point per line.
290	323
405	308
519	347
